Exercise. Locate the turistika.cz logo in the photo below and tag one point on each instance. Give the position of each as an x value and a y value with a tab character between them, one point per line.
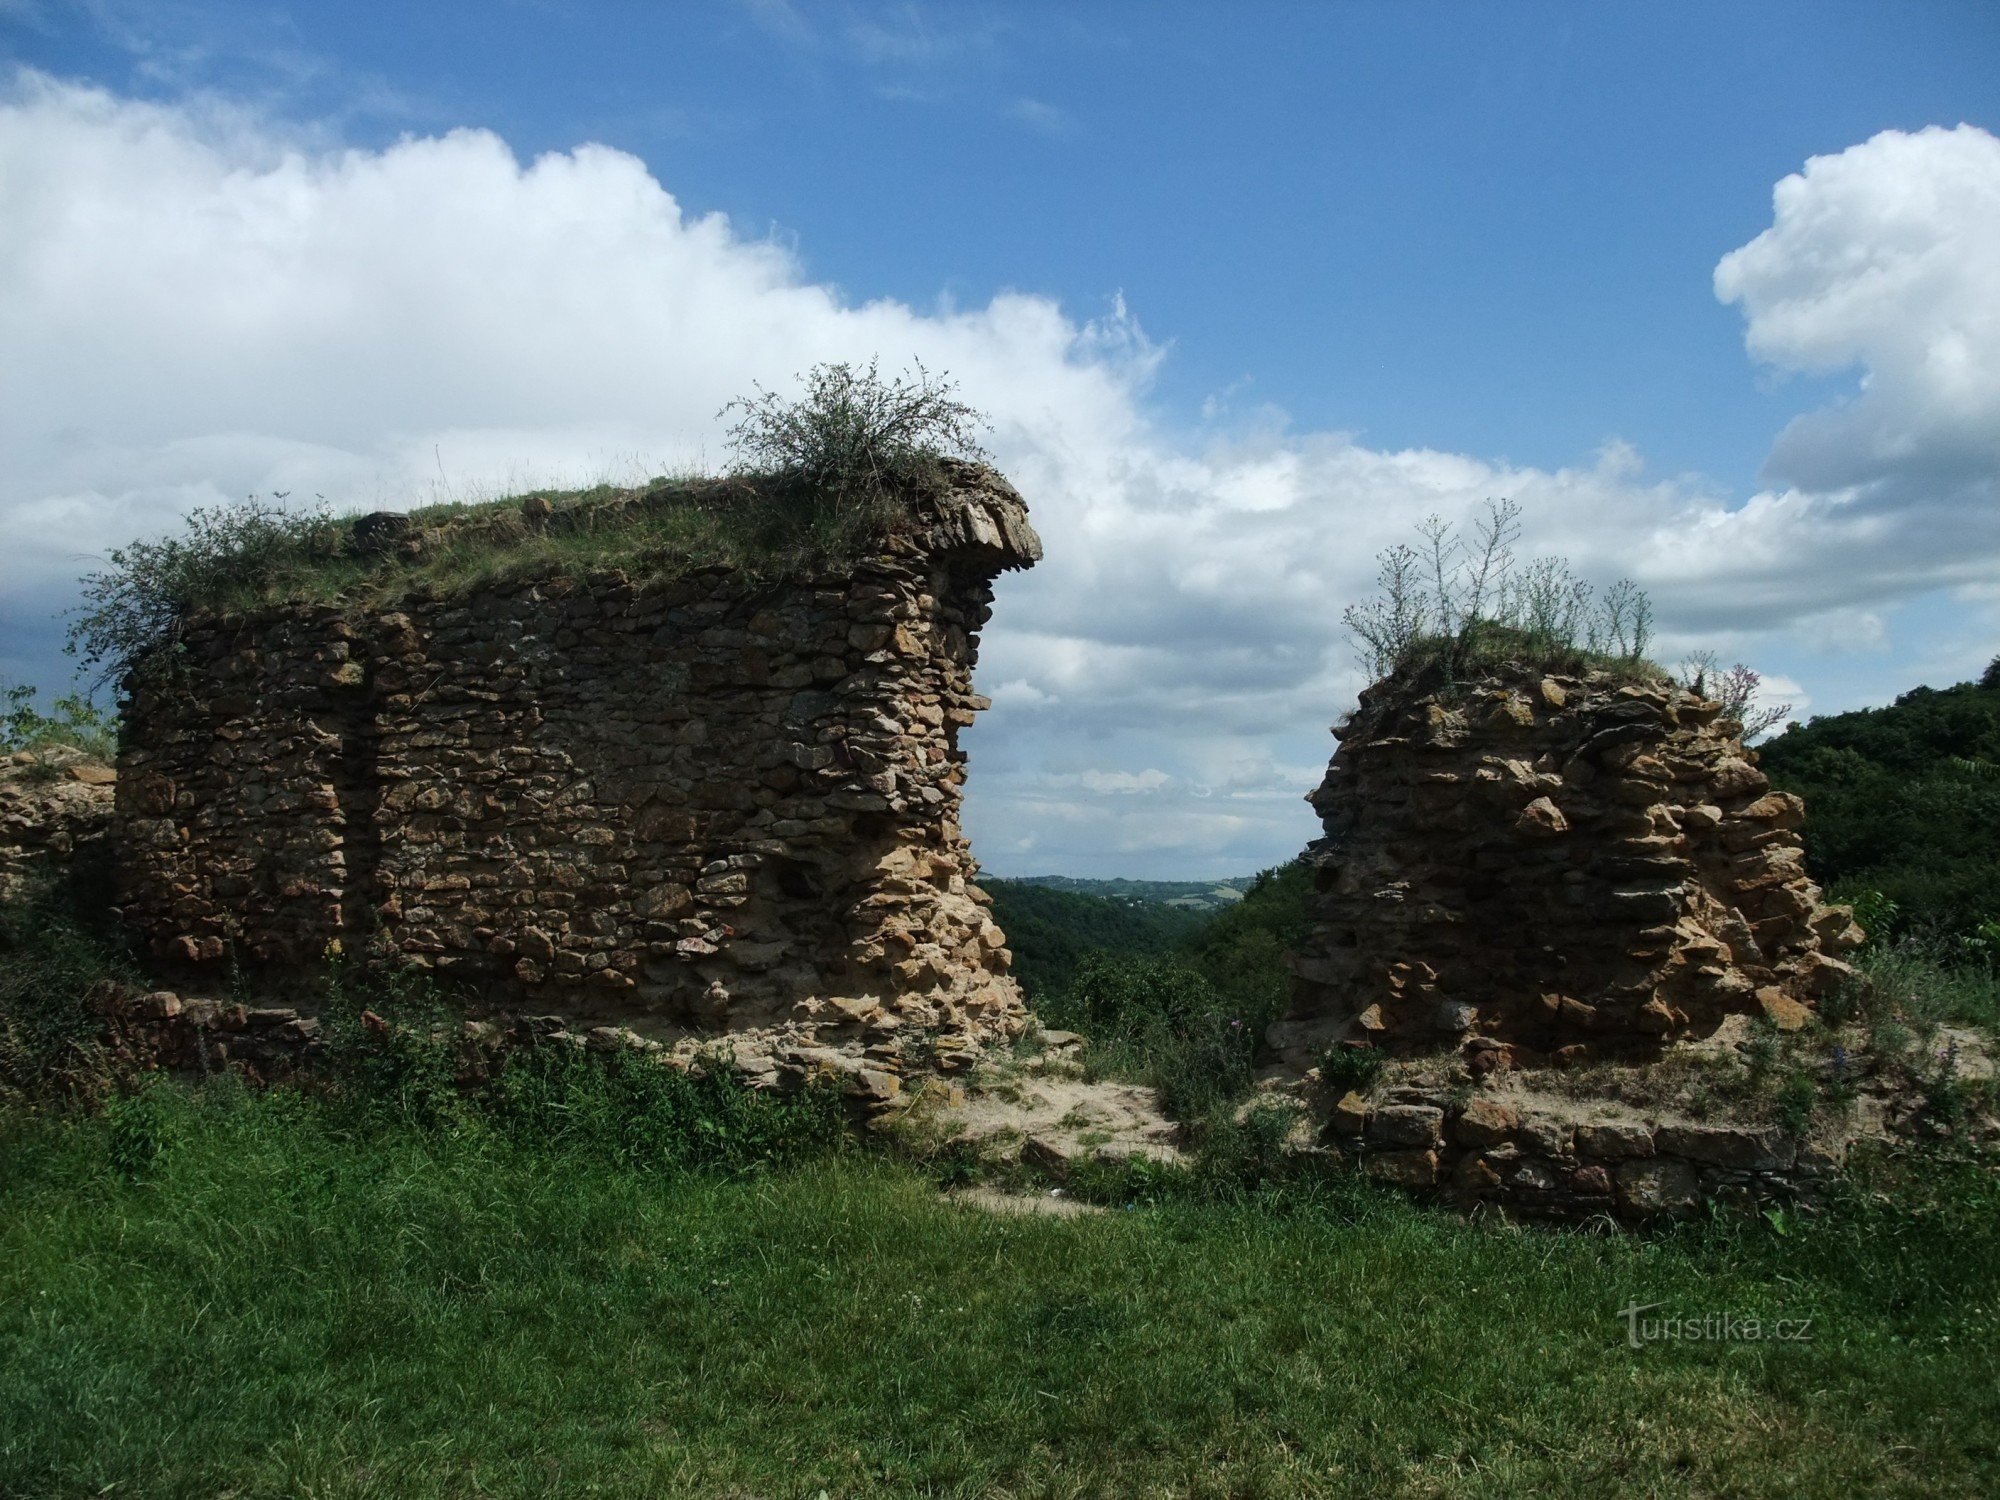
1709	1328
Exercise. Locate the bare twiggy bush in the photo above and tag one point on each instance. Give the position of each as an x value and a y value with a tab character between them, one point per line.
1460	602
1735	688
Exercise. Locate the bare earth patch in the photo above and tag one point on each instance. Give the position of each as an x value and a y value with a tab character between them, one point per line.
1037	1109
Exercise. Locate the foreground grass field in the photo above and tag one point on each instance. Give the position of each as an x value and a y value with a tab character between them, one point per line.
250	1296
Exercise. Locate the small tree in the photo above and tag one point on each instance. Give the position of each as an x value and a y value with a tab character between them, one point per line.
73	721
853	434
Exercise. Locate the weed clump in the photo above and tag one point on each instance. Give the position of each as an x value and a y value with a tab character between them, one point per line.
1459	606
1351	1068
853	436
394	1059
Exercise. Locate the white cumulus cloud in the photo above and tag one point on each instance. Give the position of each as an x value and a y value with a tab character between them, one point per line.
1885	256
199	304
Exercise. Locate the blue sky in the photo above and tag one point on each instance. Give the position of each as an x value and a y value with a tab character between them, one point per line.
1481	227
1247	287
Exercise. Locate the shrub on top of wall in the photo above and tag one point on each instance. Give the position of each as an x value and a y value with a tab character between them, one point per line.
1459	605
818	480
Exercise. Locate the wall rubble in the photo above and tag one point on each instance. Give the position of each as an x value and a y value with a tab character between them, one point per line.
1481	1151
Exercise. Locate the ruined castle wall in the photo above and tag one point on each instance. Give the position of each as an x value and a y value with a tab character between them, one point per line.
1544	867
707	803
55	818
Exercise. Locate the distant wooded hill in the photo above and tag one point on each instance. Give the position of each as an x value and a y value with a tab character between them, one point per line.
1054	923
1904	801
1052	927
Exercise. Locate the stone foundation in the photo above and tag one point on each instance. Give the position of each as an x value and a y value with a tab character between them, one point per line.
1481	1151
199	1036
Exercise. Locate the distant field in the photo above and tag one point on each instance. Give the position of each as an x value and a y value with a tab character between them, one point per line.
1192	895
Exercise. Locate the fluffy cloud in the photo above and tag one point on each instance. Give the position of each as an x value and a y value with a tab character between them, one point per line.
199	304
1884	256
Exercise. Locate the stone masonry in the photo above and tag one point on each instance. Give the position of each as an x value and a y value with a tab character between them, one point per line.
1486	1151
55	815
1541	868
702	806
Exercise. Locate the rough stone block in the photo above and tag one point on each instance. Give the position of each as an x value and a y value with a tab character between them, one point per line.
1647	1188
1484	1122
1765	1148
1404	1169
1614	1140
1413	1125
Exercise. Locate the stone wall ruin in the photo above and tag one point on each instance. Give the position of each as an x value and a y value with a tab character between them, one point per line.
1540	868
705	805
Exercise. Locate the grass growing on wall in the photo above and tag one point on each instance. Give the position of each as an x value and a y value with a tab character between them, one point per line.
259	553
819	477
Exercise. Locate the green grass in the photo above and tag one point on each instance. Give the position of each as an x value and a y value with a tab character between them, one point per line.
1928	981
236	559
278	1297
663	529
1488	648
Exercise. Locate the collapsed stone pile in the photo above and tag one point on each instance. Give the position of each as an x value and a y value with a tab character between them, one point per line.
701	805
1539	868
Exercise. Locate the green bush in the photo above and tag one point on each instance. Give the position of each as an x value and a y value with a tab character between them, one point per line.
1126	995
135	609
1242	949
73	721
1168	998
1239	1152
853	436
395	1060
1161	1021
631	1109
50	961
